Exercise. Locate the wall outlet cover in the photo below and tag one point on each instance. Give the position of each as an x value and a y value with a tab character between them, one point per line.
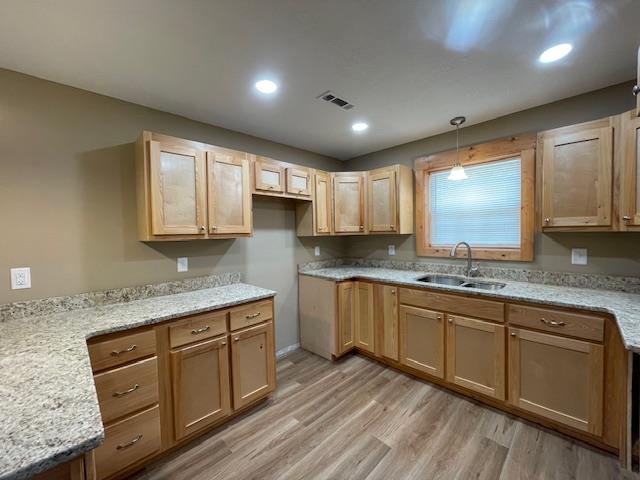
392	250
183	264
20	278
316	251
578	256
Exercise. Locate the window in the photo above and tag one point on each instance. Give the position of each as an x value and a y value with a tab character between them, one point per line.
483	210
492	210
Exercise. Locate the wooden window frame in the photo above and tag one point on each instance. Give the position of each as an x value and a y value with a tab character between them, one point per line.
522	146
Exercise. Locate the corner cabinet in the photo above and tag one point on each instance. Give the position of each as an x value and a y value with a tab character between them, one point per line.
346	318
630	178
188	190
577	176
364	330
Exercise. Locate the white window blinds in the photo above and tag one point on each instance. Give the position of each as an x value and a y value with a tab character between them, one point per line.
483	210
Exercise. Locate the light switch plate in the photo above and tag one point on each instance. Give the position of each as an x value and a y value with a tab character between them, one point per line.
579	256
392	250
316	251
20	278
183	264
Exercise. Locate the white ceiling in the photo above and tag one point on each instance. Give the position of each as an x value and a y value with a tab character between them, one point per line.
408	66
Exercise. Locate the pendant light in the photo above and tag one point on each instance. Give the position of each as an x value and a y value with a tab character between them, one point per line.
457	172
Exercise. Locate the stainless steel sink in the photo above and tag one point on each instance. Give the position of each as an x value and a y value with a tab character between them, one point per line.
460	282
442	280
483	285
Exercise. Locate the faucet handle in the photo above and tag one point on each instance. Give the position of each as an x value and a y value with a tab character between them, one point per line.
474	271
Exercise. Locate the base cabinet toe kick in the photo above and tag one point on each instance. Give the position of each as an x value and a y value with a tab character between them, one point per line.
564	369
161	386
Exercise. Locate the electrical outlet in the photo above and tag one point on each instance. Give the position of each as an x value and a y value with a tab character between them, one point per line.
579	256
20	278
316	251
183	264
392	250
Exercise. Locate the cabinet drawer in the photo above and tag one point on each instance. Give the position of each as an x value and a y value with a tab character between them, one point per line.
589	327
122	349
251	314
124	390
474	307
198	327
128	441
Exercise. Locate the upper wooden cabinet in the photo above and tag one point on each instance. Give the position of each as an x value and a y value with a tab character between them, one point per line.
270	177
323	203
349	203
390	200
177	189
577	176
299	181
630	175
189	190
228	181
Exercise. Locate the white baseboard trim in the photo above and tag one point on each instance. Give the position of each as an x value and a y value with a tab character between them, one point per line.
283	351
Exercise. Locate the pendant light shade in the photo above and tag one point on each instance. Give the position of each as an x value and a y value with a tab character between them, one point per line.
457	172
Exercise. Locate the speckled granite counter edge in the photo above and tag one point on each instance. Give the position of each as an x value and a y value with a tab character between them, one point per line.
51	305
627	284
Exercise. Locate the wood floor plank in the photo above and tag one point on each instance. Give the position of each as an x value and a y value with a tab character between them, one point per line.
358	419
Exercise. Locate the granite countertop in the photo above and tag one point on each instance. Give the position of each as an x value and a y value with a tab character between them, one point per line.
625	307
49	410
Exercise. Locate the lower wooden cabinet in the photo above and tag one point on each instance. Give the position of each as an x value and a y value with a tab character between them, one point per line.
346	317
128	441
200	385
253	364
364	316
387	309
558	378
422	340
475	355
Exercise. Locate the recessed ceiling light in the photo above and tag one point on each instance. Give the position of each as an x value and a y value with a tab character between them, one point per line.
555	53
359	126
266	86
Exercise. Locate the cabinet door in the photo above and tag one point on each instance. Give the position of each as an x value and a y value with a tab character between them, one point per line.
382	204
229	192
557	378
422	340
388	306
475	355
348	203
299	181
346	314
322	203
269	176
253	364
577	176
200	384
178	189
630	181
364	316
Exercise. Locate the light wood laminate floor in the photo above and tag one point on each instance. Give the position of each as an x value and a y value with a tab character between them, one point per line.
357	419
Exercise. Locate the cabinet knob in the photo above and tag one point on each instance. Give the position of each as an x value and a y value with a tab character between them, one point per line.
214	228
361	227
271	187
513	334
393	292
626	218
392	227
635	90
236	339
202	229
450	320
223	343
547	220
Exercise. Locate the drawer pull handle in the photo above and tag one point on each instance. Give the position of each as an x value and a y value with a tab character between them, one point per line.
130	444
198	331
116	353
126	392
236	339
252	315
552	323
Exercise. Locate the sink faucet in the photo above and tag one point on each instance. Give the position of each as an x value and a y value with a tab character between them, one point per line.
472	270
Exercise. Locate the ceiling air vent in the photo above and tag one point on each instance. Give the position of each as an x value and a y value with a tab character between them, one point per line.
331	97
